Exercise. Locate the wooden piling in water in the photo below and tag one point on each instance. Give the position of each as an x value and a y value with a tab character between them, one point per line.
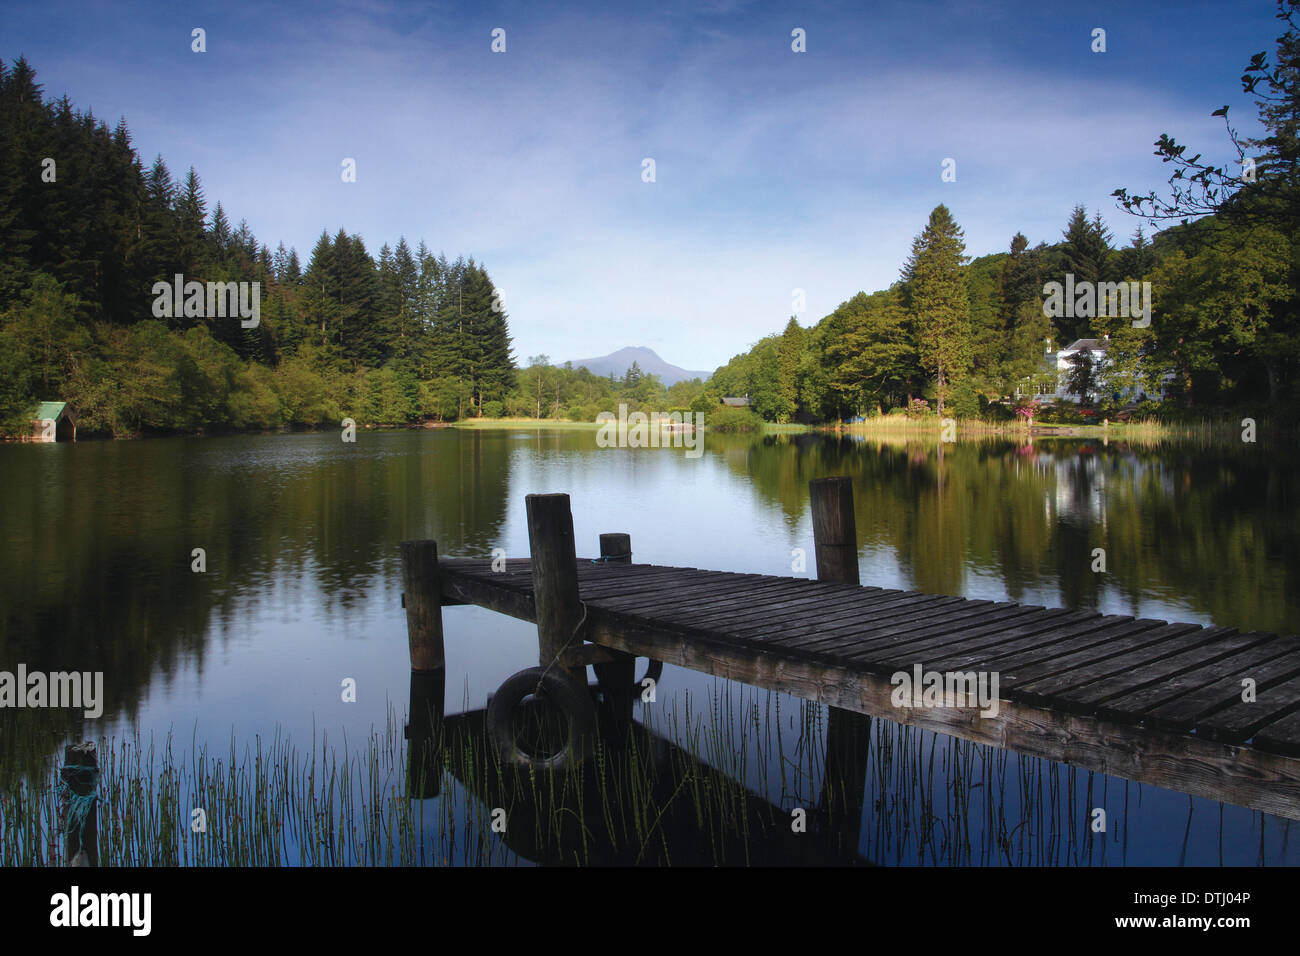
616	676
555	578
424	734
848	734
79	821
422	598
835	533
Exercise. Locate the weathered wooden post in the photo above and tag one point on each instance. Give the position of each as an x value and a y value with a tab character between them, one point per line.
617	676
422	598
79	804
835	534
835	538
616	548
555	578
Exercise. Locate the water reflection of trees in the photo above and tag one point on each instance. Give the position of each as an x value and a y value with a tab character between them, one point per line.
95	572
1214	527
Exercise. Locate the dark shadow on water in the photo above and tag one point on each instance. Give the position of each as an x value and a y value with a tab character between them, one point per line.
644	800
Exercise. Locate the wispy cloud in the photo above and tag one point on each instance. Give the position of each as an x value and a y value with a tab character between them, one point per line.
775	170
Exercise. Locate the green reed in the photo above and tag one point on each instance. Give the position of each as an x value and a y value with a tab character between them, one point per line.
717	786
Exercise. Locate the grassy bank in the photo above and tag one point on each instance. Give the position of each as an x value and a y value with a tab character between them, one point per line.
555	424
1227	429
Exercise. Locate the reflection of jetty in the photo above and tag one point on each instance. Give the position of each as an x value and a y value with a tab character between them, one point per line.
1203	710
544	824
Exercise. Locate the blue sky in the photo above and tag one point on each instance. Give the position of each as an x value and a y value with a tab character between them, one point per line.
775	170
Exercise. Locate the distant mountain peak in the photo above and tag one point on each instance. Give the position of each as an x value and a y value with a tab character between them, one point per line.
646	359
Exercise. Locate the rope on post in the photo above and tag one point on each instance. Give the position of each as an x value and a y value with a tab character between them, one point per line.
567	644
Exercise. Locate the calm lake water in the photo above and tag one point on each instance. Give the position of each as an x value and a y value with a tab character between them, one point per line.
302	590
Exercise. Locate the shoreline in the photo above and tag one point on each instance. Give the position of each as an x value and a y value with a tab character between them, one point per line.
888	425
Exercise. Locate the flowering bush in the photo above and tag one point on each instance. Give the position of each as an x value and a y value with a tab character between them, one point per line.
918	407
1029	409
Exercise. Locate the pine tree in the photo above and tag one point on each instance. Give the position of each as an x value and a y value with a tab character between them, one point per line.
245	247
280	263
936	293
160	222
428	284
191	214
1080	249
318	302
632	377
405	341
219	234
1136	261
452	357
387	319
1085	253
1027	330
21	115
482	341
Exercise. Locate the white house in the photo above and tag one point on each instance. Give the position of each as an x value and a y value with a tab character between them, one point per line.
1062	362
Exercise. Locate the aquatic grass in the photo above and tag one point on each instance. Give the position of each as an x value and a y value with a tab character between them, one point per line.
1223	430
714	785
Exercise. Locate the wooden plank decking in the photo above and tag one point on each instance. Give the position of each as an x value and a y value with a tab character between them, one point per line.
1138	698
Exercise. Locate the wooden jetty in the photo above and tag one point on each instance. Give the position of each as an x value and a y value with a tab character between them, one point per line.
1143	699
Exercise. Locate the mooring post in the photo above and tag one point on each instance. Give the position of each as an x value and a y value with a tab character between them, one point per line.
616	548
79	804
835	534
835	539
617	676
422	596
555	578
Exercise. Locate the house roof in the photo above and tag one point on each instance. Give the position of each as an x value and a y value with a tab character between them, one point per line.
1094	345
49	410
737	402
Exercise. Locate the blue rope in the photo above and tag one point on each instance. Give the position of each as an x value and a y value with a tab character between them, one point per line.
79	806
611	557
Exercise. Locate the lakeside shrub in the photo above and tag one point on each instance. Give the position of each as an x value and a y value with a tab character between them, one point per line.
728	419
965	402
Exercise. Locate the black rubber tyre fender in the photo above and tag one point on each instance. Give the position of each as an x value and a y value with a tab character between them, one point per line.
654	670
557	689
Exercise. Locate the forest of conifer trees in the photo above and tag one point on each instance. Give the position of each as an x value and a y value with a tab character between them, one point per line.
408	336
